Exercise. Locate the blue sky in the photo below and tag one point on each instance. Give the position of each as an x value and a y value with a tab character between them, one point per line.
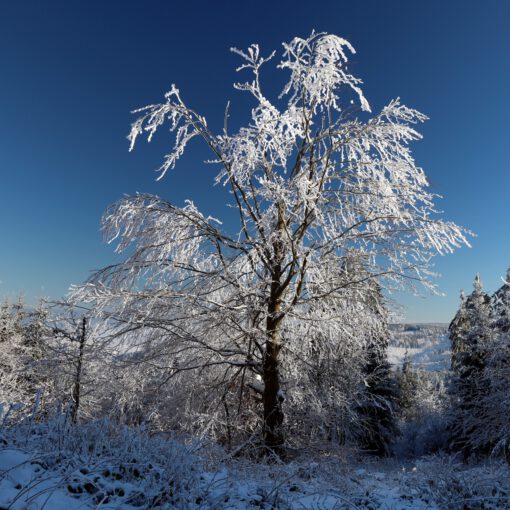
71	72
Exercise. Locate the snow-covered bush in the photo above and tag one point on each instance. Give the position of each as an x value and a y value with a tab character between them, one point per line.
22	350
424	409
100	462
450	485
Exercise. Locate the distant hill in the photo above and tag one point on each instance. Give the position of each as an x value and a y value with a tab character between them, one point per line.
427	344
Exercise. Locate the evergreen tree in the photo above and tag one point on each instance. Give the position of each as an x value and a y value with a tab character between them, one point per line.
491	421
408	386
470	333
378	410
490	416
458	331
500	305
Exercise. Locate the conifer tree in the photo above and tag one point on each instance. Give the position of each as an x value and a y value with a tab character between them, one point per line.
458	331
408	385
492	424
378	410
500	305
490	417
471	336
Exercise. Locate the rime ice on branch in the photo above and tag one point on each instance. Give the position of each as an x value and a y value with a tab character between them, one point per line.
314	182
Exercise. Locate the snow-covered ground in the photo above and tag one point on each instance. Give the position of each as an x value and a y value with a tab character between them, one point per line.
75	468
56	466
432	484
427	346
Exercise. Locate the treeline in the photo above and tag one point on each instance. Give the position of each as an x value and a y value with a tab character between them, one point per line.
465	410
75	362
64	359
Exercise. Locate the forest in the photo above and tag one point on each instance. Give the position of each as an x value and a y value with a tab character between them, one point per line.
259	366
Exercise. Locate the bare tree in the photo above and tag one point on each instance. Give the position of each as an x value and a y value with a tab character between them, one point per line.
313	178
79	363
77	335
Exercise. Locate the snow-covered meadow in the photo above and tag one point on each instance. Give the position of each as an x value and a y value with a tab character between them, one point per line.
51	466
426	345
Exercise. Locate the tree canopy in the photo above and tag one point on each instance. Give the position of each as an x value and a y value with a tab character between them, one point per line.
316	183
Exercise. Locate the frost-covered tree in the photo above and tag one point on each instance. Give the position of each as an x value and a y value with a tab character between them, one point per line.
458	330
379	405
337	379
84	378
22	347
481	361
472	335
491	421
494	432
312	176
500	304
471	324
11	342
408	386
71	332
378	402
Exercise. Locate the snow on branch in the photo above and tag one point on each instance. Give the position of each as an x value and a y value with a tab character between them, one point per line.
330	205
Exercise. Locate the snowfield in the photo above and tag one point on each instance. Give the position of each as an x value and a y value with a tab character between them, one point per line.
102	466
427	346
54	465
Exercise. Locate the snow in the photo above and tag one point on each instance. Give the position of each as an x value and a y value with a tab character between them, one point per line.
427	345
33	475
24	484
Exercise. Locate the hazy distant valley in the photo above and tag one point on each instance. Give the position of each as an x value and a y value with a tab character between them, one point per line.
427	346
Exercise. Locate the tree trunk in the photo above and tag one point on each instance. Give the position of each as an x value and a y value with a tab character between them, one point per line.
272	398
274	437
77	381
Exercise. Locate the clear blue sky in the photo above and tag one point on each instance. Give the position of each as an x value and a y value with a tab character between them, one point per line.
71	71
